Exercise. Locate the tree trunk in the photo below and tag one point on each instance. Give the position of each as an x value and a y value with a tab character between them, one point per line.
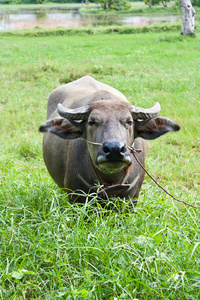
149	3
188	17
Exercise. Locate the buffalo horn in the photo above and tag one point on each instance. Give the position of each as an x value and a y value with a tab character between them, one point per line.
79	113
139	113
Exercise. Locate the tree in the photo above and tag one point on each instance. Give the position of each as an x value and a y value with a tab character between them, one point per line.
196	2
114	4
188	17
155	2
188	13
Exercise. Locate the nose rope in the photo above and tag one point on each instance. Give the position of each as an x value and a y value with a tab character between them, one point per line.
134	151
106	187
93	143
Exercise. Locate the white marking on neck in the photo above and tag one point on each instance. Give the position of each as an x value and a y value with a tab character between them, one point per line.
134	181
84	181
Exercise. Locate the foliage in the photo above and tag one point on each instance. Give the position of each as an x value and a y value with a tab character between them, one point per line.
40	1
42	32
37	1
24	1
61	31
196	3
67	1
52	249
114	4
156	2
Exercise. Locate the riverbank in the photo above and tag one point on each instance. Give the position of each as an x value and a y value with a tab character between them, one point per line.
46	6
136	7
70	16
61	31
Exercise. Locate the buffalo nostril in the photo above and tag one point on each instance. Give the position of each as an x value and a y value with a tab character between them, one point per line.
114	151
106	149
114	148
123	149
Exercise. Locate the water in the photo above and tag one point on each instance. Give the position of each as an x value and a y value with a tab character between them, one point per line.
27	19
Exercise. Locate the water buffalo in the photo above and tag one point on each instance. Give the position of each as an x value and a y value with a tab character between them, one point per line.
89	129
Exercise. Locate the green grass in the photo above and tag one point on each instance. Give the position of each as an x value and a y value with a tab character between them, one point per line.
51	249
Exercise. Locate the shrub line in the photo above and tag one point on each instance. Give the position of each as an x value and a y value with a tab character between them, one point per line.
39	32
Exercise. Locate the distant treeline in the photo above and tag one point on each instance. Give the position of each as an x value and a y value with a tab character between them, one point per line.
44	1
41	1
106	4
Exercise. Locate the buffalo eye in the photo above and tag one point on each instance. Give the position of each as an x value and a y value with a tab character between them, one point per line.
91	122
129	122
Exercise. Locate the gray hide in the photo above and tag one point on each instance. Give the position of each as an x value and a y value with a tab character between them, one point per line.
92	111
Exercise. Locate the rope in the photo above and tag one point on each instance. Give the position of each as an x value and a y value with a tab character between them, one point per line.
133	151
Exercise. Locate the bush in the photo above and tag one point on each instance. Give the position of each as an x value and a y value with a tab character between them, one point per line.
196	2
114	4
156	2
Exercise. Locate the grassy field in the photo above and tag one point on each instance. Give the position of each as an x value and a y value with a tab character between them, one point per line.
51	249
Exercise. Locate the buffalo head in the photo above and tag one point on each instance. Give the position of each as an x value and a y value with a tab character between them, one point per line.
109	127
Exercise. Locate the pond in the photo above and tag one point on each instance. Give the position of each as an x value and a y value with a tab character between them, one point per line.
48	19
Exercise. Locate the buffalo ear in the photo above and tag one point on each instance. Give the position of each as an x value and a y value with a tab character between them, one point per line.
63	128
153	128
